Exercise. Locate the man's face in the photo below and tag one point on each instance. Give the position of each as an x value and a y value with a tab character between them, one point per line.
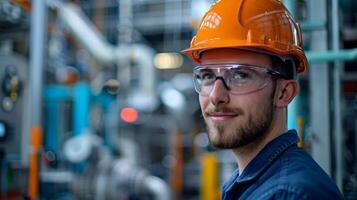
235	121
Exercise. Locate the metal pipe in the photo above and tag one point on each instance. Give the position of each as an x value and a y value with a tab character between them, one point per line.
125	21
125	32
84	31
36	59
144	98
293	107
37	35
157	187
95	43
144	56
319	91
337	97
330	56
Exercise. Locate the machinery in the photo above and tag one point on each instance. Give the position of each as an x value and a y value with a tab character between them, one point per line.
14	95
84	113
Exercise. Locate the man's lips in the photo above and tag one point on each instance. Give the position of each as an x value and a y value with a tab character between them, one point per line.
221	116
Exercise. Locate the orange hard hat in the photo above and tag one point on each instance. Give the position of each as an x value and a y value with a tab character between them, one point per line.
259	25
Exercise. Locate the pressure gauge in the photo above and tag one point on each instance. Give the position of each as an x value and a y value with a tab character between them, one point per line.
11	83
7	104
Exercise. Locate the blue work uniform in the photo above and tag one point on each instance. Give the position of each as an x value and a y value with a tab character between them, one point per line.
281	170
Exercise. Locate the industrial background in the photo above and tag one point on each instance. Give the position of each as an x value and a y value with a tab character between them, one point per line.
97	103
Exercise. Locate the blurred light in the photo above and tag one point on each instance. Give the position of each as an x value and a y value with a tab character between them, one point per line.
142	100
183	82
2	130
173	99
129	115
168	60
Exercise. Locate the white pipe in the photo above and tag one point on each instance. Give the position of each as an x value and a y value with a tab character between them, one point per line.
84	31
144	98
157	187
87	34
144	56
38	34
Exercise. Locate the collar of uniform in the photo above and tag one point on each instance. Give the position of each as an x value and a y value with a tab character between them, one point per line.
265	157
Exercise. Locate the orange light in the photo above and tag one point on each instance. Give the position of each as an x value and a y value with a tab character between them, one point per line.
129	115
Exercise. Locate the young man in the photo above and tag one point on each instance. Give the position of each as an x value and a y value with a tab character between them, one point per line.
249	53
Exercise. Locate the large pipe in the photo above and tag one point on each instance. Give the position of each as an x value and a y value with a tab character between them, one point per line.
293	107
157	187
330	56
84	31
337	97
144	97
37	35
125	21
144	56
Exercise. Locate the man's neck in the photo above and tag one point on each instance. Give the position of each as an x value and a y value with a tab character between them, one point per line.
246	154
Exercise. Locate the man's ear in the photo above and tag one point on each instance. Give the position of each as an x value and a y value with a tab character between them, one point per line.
287	90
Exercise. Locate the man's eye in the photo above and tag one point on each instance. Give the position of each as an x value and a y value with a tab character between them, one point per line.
240	75
207	76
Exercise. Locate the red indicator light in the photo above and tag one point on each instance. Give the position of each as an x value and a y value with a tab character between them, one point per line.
129	115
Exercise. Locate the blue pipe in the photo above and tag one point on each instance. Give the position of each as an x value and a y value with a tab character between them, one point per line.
57	93
329	56
293	113
51	126
52	95
81	106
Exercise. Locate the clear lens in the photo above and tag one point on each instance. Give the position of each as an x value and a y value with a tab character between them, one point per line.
239	79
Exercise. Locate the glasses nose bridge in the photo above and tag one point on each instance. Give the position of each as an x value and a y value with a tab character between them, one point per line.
223	81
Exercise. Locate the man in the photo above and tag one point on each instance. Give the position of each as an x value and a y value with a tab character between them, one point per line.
249	53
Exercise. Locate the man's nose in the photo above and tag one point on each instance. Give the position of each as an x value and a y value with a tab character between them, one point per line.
219	93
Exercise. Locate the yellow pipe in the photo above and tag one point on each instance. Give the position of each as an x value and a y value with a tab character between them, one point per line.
300	125
209	177
35	146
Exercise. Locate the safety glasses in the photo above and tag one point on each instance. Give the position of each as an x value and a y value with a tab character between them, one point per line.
237	78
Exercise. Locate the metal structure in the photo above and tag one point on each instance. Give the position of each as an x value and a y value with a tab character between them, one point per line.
106	50
36	80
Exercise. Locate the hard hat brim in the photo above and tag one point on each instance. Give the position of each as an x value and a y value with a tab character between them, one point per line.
195	53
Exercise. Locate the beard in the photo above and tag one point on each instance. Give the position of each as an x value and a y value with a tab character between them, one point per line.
252	131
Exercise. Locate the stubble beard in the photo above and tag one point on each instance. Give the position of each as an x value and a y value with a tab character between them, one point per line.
254	130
